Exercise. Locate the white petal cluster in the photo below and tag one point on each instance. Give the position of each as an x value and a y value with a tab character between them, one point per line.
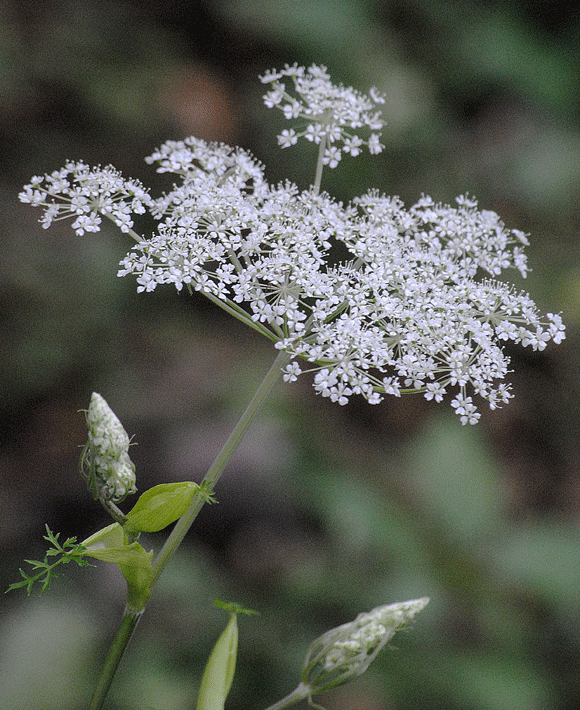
86	194
349	649
332	114
415	317
110	473
371	297
406	311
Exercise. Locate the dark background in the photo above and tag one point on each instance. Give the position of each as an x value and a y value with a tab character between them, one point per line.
326	511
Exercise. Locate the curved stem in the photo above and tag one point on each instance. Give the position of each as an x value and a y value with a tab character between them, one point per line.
118	648
115	513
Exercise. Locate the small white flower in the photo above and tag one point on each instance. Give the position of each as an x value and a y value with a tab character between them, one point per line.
330	111
332	156
374	144
434	391
352	145
465	408
287	138
291	372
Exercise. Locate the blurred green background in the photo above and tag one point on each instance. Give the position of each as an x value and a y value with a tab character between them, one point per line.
326	511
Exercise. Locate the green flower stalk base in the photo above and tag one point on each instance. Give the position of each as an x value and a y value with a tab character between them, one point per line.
118	647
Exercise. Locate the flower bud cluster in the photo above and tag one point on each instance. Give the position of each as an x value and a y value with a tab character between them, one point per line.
416	306
348	650
106	465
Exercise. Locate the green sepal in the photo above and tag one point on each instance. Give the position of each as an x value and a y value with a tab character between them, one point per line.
219	672
135	563
160	506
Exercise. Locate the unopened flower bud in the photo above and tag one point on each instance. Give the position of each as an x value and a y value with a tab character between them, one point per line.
348	650
105	464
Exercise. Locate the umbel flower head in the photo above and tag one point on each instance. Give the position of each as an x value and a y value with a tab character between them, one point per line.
332	114
105	464
87	194
417	306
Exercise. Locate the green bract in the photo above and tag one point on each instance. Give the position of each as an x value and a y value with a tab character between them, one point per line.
156	509
219	671
160	506
109	545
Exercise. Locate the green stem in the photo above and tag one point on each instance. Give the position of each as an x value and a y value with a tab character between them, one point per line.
129	621
300	693
115	513
118	648
320	163
212	476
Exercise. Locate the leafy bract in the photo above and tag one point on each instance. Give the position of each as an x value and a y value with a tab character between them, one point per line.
160	506
219	672
135	563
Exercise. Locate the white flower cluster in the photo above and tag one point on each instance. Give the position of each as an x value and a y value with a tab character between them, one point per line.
86	194
106	465
332	112
415	307
349	649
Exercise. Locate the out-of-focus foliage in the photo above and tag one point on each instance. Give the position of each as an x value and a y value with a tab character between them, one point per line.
325	511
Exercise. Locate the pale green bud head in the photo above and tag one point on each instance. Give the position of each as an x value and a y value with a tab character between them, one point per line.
348	650
106	464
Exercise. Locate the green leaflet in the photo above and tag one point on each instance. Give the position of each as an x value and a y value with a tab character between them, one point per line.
160	506
219	672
